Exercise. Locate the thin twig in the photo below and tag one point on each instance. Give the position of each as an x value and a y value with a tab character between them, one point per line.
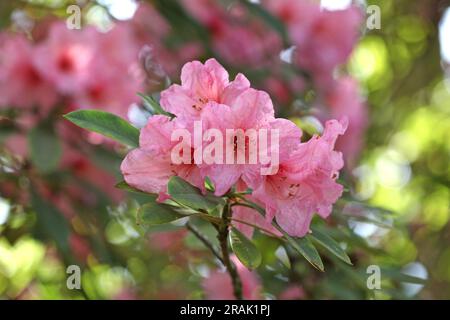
205	241
256	227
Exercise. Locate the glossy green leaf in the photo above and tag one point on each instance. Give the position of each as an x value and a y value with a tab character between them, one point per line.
45	148
106	124
309	251
305	248
185	194
153	214
245	250
330	244
154	106
51	223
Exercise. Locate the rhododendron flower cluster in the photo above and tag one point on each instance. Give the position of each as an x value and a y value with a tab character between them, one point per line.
81	68
237	37
305	182
323	39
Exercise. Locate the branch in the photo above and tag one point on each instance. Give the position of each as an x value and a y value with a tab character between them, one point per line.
223	240
205	241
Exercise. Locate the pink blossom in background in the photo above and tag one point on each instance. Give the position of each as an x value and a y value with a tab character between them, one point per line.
218	285
284	90
344	99
65	55
332	39
16	144
80	247
324	39
298	16
168	241
206	12
21	83
150	29
148	24
236	37
251	45
293	292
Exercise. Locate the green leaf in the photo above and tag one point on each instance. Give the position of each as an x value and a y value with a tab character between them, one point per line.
185	194
330	244
307	249
45	148
107	124
209	185
244	249
50	222
154	106
402	277
153	214
123	185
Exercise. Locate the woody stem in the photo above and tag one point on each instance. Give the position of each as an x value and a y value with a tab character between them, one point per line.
223	240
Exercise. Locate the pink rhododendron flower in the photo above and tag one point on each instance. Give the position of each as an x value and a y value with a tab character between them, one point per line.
218	285
65	55
150	167
251	110
305	182
344	99
236	37
332	38
200	84
324	39
21	83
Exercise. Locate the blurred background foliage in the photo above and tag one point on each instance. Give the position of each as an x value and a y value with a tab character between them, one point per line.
403	174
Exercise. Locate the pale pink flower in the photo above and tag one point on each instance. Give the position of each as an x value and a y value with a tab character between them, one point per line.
298	16
148	23
252	110
150	166
200	84
236	37
344	99
249	45
109	94
207	12
305	182
16	144
323	39
21	83
293	292
218	285
65	56
332	38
